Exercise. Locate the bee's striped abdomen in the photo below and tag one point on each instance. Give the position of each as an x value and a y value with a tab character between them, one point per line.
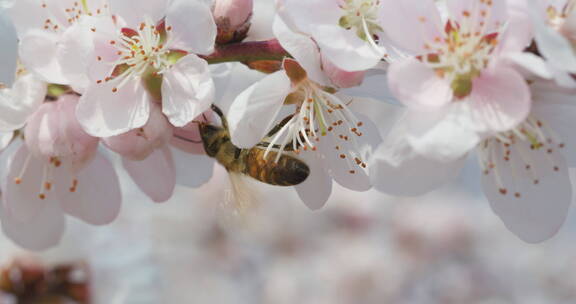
288	171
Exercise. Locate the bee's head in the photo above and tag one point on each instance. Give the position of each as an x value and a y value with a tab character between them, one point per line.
212	137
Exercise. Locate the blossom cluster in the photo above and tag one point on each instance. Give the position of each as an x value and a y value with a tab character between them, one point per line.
86	79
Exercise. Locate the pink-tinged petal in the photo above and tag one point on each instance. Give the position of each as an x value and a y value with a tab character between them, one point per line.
253	112
18	103
5	139
103	112
556	111
470	12
302	15
346	171
139	143
104	56
44	63
443	135
569	26
529	63
555	47
303	49
192	170
133	12
76	52
500	100
519	31
193	27
345	49
97	197
27	15
39	233
187	90
533	205
21	200
418	86
9	50
155	176
316	189
397	169
420	16
188	139
342	78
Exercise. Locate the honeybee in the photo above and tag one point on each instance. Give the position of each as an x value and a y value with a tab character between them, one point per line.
283	171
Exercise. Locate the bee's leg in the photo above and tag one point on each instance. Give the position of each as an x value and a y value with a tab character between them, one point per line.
288	147
219	112
280	125
188	140
237	153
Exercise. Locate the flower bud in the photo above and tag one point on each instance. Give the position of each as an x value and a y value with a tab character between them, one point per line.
53	133
233	19
341	78
139	143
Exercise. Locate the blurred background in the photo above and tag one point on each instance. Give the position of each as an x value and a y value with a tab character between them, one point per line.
362	248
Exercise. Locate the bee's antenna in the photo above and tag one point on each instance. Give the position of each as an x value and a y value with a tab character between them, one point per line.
188	139
219	112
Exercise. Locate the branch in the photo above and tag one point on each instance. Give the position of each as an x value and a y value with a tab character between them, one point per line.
248	52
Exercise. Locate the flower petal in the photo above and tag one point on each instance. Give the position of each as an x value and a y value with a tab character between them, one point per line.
302	15
471	12
5	139
534	204
187	90
104	113
443	135
41	232
193	27
345	49
9	50
316	189
44	63
155	176
21	200
97	198
397	169
303	48
253	112
500	100
18	103
420	16
133	12
554	47
417	85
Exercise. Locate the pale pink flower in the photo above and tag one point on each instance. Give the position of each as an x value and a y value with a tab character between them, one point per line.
555	30
525	169
461	82
322	129
57	171
349	33
147	54
52	43
147	157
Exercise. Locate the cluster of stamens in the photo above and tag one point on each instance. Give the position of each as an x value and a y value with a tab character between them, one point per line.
139	52
46	184
465	50
556	18
514	150
320	114
362	17
71	14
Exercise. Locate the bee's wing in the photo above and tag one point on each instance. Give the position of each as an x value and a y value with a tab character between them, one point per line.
242	196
